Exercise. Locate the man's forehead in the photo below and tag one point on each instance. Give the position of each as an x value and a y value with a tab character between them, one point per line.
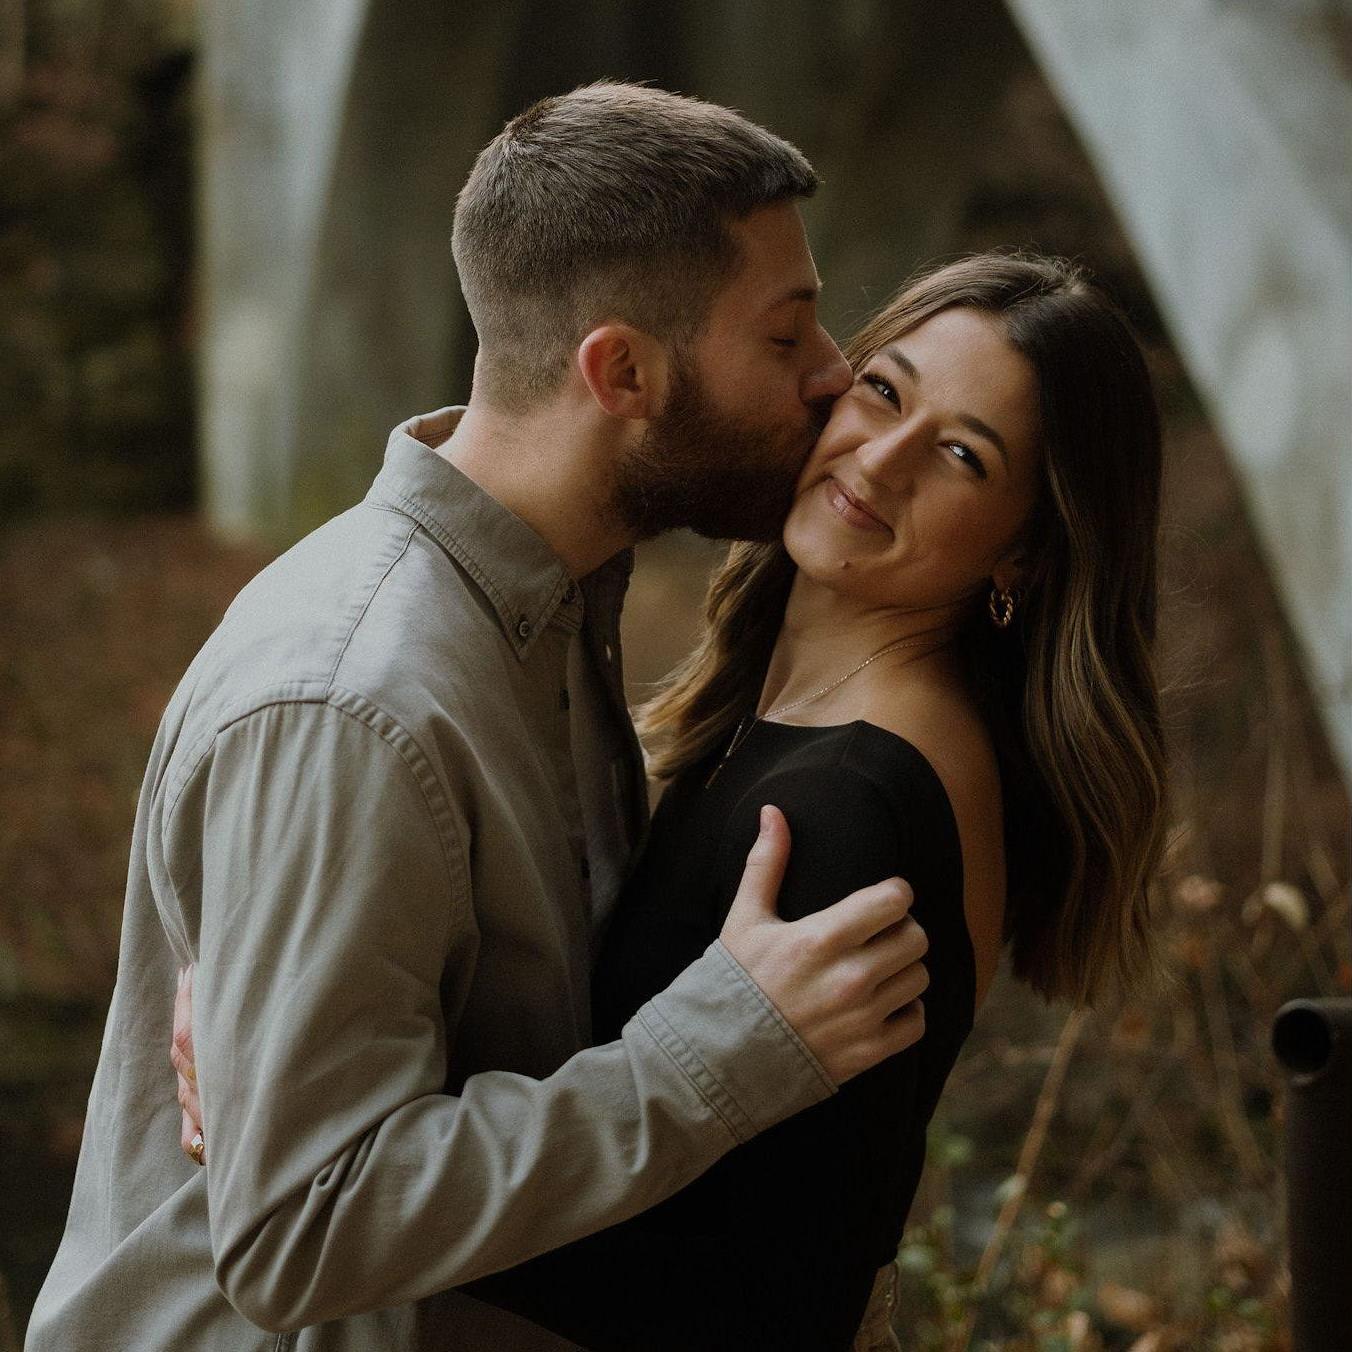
755	293
775	236
776	268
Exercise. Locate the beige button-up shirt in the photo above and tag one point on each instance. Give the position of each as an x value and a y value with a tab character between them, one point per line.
387	808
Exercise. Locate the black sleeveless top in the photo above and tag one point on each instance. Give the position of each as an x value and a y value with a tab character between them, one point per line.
776	1245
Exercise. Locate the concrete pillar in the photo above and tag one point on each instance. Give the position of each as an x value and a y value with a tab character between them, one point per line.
274	78
1222	132
335	136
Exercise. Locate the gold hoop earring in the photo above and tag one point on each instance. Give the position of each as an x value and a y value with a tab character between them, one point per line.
1001	606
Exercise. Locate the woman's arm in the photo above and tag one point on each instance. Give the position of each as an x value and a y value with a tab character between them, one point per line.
778	1244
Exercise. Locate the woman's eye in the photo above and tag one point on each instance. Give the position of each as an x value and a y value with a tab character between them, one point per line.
785	342
968	457
959	450
876	382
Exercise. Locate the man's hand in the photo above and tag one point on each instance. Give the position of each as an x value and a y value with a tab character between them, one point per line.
181	1054
848	979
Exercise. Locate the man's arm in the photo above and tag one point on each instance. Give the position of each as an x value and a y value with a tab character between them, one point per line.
334	900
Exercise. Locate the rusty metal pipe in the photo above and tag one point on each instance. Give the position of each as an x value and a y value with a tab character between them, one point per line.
1313	1041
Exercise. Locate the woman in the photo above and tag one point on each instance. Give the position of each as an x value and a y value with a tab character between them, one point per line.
944	671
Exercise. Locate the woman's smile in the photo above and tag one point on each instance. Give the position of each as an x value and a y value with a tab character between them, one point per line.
852	509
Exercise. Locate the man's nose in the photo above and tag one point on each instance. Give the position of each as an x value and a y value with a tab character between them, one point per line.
830	375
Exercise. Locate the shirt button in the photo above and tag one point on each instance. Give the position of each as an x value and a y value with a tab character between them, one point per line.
570	594
610	654
523	628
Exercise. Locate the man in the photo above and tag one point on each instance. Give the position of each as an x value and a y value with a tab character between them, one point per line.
397	790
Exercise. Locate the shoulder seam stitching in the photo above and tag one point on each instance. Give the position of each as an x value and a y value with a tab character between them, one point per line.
327	703
361	615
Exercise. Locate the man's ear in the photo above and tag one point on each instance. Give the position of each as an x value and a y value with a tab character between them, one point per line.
625	369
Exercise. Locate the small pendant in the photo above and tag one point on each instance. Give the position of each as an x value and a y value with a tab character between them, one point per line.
742	732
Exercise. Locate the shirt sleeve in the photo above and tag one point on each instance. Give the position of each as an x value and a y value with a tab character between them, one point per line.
329	890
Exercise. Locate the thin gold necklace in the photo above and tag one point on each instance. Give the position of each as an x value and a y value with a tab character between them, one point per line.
746	724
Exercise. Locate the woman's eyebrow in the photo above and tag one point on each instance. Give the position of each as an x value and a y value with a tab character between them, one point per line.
902	360
968	420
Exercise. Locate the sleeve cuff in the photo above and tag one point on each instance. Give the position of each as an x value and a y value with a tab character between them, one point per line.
735	1047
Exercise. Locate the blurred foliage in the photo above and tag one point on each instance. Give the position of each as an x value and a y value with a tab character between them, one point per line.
98	620
1044	1298
1162	1147
96	397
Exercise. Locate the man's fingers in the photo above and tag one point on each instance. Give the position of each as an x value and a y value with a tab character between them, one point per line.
183	1009
848	978
758	892
892	1035
190	1103
898	946
902	987
907	1026
179	1059
190	1139
864	914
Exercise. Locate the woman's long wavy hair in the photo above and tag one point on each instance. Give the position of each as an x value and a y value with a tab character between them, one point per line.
1069	691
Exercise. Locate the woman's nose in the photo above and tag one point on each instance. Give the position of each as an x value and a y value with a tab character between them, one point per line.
889	458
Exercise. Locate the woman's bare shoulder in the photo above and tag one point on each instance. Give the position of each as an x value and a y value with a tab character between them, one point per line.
943	724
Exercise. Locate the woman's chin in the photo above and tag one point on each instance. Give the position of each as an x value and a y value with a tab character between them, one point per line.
825	548
820	560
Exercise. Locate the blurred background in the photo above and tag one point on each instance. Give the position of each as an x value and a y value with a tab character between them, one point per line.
225	273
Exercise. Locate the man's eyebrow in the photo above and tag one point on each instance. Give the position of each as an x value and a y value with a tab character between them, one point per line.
974	424
799	293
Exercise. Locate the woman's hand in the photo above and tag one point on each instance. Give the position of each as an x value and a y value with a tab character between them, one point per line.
181	1055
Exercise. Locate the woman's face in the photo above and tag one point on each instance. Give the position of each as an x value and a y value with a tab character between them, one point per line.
920	484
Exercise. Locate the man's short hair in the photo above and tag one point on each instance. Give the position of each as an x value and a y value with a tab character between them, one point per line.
609	203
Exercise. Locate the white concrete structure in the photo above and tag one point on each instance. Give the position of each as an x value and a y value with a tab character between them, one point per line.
270	97
335	134
1223	133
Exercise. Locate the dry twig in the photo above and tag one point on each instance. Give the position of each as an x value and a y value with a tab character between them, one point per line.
1043	1113
1230	1099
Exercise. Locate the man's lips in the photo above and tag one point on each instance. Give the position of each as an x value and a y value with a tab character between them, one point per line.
851	509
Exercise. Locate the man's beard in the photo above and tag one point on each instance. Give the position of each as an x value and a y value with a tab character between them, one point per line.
698	468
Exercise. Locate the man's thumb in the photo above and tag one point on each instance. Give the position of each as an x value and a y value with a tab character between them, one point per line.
758	892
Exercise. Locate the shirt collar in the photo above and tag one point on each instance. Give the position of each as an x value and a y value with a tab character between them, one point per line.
522	578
